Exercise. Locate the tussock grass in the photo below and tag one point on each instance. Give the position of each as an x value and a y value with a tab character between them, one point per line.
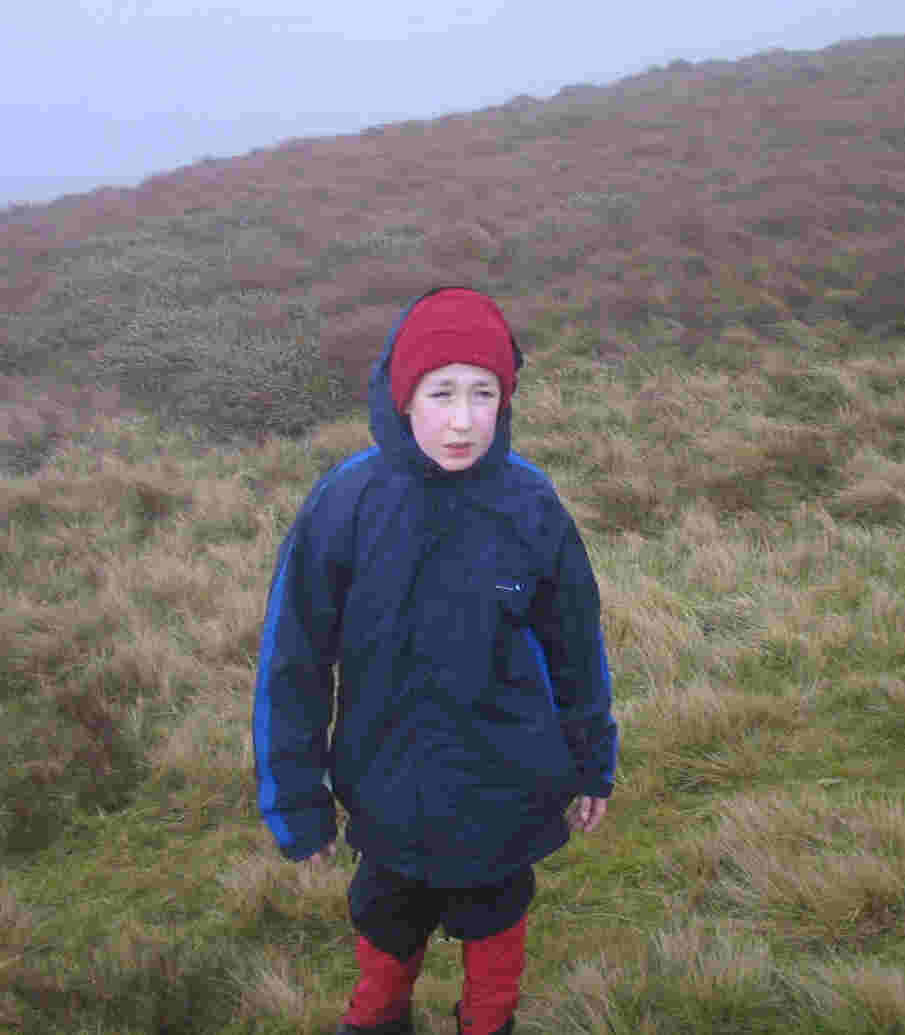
875	489
860	997
333	442
699	975
270	986
21	939
699	737
814	868
687	978
780	433
753	599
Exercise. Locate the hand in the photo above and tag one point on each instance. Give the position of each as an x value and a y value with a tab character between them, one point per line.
320	858
585	813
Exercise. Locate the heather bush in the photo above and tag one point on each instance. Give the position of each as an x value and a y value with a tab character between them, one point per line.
315	218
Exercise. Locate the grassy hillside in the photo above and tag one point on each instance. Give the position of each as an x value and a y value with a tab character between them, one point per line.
745	522
704	264
694	204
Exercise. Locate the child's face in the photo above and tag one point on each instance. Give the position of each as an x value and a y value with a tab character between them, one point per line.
452	406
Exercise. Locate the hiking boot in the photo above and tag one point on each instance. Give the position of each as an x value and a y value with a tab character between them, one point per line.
401	1026
507	1028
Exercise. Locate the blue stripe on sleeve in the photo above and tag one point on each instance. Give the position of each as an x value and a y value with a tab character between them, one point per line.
610	766
330	477
263	717
267	788
520	461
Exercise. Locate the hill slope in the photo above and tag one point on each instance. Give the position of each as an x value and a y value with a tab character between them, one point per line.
738	476
745	199
747	531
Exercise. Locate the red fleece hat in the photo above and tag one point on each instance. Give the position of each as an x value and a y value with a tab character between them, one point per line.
454	325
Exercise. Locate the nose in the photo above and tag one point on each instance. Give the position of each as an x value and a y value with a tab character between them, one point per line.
460	415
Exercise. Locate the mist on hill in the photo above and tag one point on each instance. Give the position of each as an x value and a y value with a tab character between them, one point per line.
107	92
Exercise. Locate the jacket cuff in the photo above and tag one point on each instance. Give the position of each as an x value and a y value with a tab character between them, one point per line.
593	780
592	785
318	834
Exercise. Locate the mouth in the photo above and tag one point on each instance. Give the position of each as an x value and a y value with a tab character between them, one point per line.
459	447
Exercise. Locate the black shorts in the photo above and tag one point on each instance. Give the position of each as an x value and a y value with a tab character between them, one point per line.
398	915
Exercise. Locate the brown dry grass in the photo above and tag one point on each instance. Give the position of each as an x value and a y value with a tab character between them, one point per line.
871	991
755	640
810	868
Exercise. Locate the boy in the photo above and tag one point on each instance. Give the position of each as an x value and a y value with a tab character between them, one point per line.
444	575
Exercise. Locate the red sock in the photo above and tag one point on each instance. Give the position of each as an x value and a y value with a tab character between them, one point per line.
493	967
384	989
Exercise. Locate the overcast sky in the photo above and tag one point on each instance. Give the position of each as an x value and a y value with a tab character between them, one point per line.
111	91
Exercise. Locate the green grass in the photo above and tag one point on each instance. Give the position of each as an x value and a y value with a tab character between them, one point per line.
741	519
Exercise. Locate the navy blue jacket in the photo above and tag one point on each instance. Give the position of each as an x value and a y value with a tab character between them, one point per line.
473	698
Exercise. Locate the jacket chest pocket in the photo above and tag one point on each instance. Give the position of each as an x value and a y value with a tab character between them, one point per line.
514	594
518	657
522	686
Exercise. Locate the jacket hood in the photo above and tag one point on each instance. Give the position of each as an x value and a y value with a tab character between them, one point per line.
393	432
